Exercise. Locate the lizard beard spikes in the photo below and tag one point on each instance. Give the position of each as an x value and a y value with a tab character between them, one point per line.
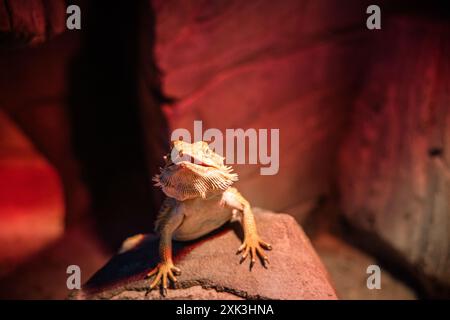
192	181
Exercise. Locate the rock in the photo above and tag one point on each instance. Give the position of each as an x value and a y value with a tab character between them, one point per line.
43	275
30	22
288	64
347	266
211	269
394	174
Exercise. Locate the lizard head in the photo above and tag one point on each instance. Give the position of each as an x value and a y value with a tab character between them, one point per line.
193	170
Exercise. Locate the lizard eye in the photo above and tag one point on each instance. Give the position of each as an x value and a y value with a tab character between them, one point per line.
180	154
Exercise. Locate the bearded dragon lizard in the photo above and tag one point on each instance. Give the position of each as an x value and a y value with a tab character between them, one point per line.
199	200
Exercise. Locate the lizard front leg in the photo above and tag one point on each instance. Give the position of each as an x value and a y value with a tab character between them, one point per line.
165	270
252	243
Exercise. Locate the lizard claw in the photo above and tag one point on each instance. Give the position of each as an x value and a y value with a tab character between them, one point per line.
254	247
163	272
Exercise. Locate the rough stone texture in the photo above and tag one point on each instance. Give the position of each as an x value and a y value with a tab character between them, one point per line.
266	64
394	174
211	270
31	21
347	266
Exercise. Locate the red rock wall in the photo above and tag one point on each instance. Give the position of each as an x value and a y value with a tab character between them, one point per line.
394	174
266	64
31	21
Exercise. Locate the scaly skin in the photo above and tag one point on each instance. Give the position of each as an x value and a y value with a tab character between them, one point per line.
252	243
196	193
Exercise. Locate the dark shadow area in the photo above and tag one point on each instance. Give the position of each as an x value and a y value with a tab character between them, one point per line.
43	275
435	9
105	114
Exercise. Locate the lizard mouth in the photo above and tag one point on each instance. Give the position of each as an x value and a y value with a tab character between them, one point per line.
197	162
203	164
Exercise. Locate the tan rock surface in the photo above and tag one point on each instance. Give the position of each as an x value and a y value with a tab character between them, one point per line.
211	269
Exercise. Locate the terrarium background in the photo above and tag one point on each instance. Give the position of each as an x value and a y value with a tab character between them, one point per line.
363	117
